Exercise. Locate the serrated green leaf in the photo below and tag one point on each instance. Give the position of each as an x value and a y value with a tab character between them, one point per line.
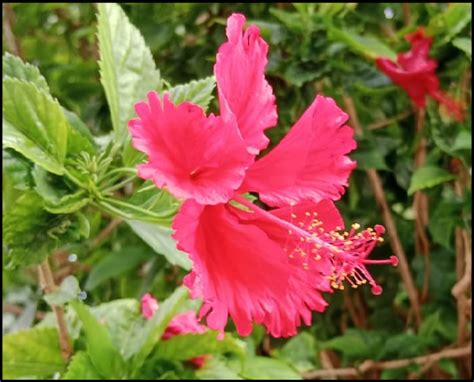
31	353
427	177
159	238
146	338
14	67
127	68
368	46
198	92
34	124
67	291
186	346
79	136
100	349
81	368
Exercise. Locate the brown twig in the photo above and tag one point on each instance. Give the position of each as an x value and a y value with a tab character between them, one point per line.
388	121
406	13
420	205
114	223
48	285
394	364
13	45
395	242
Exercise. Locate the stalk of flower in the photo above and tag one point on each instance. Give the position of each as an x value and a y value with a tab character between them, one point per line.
414	71
269	267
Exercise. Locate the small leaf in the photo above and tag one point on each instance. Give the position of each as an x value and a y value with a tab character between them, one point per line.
127	68
198	92
81	368
14	67
31	353
100	349
300	351
427	177
67	291
34	124
448	24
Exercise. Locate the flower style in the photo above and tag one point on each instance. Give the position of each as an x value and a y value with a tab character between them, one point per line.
255	265
414	71
183	323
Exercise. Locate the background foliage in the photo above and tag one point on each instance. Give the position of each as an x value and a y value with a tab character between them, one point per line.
71	206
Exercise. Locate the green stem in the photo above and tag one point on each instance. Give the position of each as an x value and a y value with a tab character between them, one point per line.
119	185
73	179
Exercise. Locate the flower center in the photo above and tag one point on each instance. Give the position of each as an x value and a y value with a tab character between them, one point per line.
345	252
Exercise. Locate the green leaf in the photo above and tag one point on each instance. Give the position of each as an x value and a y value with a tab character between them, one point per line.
69	203
17	170
427	177
451	22
34	124
79	136
356	343
126	66
267	368
402	345
198	92
443	219
300	351
67	291
100	349
14	67
159	238
465	44
186	346
146	339
368	46
32	353
81	368
215	368
115	264
369	156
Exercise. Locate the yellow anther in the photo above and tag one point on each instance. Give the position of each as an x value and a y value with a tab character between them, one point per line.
307	214
293	215
356	226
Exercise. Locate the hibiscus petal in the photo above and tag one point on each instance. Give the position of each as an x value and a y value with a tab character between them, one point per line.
240	272
310	162
243	90
196	157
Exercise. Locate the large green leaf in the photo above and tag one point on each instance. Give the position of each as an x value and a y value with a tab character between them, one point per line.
159	238
146	338
127	68
215	368
356	343
81	368
100	349
14	67
34	124
198	92
186	346
428	176
67	291
32	353
31	232
448	24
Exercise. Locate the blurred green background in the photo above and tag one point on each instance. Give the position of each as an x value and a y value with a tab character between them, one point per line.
314	48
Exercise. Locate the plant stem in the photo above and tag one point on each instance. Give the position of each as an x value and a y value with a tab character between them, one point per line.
389	223
48	285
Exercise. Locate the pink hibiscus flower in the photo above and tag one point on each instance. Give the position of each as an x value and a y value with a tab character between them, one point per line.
414	71
183	323
254	265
